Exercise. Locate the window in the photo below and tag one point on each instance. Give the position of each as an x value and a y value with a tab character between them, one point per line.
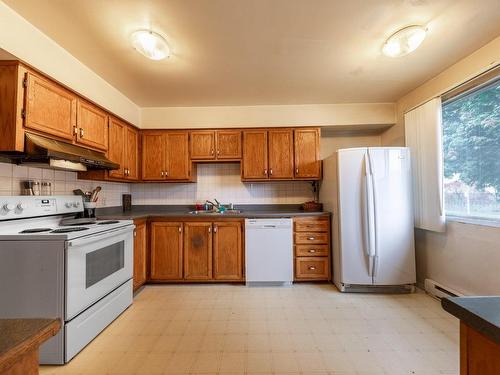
471	152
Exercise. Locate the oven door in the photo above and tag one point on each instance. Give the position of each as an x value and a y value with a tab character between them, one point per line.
95	266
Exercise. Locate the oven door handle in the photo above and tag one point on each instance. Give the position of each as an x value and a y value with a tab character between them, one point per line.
100	236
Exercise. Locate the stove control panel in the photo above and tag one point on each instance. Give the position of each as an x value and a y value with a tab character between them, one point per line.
17	207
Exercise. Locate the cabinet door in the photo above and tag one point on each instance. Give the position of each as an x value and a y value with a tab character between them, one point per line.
254	163
116	150
227	251
307	163
177	156
153	156
197	251
281	154
50	108
140	247
131	153
228	144
166	251
202	145
92	123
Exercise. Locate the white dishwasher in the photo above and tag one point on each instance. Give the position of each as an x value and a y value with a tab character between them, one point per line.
268	252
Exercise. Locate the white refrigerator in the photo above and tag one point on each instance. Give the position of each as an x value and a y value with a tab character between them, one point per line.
368	191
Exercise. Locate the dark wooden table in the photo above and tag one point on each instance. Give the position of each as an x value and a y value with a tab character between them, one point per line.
19	343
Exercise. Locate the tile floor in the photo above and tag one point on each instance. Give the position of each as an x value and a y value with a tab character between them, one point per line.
307	329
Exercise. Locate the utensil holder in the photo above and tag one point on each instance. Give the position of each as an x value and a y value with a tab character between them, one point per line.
89	209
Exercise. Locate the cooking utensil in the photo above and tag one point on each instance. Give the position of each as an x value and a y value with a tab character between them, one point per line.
79	192
93	197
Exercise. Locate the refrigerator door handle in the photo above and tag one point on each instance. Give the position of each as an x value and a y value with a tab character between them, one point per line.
370	208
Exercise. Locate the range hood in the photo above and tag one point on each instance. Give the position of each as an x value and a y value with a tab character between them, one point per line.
43	152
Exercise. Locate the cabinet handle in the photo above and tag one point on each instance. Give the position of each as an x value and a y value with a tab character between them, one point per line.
212	151
166	174
81	132
135	233
271	171
311	238
265	172
312	268
180	229
162	174
75	130
218	152
215	228
312	251
210	229
297	170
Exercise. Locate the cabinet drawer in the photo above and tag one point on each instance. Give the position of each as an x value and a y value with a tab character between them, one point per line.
311	250
311	225
311	268
306	238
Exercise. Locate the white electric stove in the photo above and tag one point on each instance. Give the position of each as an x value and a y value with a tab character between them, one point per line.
55	266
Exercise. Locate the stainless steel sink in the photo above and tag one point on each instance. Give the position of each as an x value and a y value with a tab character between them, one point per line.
226	212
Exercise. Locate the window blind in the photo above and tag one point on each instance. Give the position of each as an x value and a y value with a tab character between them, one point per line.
423	137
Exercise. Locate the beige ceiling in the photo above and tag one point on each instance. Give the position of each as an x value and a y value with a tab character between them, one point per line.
250	52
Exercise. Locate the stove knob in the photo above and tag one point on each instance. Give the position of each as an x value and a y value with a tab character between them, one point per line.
22	206
9	207
68	204
75	205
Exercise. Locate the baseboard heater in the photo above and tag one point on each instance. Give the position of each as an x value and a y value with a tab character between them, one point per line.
439	291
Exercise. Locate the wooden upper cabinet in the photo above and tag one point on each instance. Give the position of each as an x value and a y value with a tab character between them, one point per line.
307	159
202	145
50	108
280	154
166	250
254	161
197	251
178	165
153	156
215	145
140	246
131	149
116	149
92	123
228	144
227	251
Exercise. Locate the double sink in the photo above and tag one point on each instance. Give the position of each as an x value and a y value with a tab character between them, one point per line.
215	213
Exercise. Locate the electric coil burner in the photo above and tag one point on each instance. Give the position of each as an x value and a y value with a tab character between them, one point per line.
36	230
69	230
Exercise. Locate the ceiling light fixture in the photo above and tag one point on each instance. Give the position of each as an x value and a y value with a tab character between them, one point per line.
150	44
404	41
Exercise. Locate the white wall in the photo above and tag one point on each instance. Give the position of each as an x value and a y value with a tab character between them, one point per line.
466	257
26	42
331	143
63	183
268	115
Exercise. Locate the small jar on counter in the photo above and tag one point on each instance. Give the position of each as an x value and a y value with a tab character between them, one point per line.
46	188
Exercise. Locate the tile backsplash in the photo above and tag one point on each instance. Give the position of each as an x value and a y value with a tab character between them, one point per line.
221	181
63	183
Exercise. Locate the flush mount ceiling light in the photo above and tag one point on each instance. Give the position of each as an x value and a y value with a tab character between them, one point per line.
404	41
150	44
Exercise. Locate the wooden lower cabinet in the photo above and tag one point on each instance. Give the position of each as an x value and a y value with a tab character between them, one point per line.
312	248
166	251
227	250
198	251
140	259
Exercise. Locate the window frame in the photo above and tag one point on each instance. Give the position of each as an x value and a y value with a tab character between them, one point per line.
475	84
